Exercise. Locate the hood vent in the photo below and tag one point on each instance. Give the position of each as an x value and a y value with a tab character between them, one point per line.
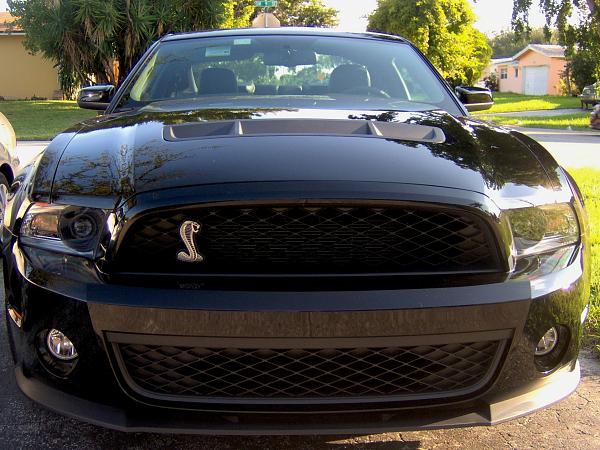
328	127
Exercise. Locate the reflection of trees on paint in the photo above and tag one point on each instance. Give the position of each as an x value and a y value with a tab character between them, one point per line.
496	155
476	146
113	173
171	117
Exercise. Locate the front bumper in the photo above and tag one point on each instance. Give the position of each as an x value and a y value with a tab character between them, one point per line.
93	313
488	411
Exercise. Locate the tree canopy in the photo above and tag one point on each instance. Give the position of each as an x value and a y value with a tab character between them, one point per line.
507	43
305	13
442	29
100	40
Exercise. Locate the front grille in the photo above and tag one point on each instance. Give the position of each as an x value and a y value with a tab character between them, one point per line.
190	372
311	239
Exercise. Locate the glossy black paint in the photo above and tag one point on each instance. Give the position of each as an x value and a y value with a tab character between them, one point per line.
96	97
475	156
475	98
121	162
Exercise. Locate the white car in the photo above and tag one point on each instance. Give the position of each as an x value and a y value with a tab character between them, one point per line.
8	146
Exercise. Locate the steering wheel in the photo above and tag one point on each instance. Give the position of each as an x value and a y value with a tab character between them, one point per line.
368	91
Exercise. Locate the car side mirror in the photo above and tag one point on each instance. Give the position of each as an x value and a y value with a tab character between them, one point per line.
96	97
474	98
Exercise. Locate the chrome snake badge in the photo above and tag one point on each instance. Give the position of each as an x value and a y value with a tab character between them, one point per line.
187	231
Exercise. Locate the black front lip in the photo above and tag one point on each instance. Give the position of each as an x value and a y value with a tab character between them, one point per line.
488	411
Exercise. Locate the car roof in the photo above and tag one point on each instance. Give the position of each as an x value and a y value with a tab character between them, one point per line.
286	31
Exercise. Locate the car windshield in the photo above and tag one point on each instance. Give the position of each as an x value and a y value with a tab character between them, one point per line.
267	71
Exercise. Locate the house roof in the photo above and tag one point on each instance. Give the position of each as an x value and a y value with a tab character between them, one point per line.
6	20
496	61
551	51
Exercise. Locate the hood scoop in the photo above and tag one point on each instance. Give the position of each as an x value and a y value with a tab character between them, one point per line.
312	127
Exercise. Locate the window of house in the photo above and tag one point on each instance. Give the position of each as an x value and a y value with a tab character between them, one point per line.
503	74
516	72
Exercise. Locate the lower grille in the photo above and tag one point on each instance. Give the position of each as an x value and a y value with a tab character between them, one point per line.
421	371
311	238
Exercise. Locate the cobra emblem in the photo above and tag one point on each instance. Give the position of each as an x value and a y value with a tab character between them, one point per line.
187	231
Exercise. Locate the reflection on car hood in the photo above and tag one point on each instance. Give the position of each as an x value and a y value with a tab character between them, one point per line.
121	155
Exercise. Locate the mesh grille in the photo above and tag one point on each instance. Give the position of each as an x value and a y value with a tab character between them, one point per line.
308	373
311	239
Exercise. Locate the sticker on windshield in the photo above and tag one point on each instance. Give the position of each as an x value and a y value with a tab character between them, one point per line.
212	52
245	41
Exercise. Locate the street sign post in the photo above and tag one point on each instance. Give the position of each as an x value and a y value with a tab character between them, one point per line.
265	3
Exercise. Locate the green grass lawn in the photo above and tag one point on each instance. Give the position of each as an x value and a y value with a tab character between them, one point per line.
589	183
507	102
579	121
42	120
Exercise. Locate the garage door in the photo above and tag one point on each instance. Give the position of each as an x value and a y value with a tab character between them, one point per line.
536	80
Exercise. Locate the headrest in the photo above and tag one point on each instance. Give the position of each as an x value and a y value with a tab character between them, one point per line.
216	80
348	76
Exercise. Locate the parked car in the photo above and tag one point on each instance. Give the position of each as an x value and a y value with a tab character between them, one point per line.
293	231
595	118
590	95
8	159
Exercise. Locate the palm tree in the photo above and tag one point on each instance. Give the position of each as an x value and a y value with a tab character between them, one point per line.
99	41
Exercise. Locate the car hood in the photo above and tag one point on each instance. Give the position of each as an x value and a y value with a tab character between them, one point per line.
118	156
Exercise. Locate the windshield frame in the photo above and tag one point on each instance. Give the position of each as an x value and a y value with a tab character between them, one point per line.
132	77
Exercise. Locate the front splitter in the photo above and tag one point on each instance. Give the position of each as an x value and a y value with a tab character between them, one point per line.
490	411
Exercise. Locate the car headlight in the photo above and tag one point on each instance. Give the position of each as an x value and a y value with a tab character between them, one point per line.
65	228
544	236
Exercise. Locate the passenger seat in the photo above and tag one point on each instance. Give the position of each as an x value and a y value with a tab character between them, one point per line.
265	89
347	77
289	90
217	80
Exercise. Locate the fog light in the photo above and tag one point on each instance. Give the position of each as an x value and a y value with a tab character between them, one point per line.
547	343
83	227
60	346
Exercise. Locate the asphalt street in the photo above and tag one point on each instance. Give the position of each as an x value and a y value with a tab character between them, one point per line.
569	148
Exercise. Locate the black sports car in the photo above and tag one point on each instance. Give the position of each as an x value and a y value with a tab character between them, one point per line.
293	231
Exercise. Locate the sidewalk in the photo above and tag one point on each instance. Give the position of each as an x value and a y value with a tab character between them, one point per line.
566	134
538	112
27	150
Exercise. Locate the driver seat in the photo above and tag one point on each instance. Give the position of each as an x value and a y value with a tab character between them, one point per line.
217	80
348	76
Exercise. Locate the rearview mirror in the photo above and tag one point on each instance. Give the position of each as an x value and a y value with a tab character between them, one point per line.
95	97
474	98
290	57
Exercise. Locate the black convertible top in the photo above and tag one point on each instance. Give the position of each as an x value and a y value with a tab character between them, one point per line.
301	31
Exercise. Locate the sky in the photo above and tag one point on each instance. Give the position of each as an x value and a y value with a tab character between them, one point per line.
493	15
